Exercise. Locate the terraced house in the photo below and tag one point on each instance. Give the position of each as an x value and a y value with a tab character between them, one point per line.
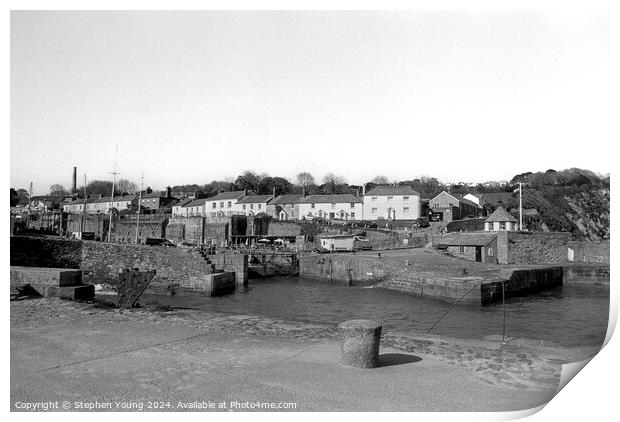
392	203
283	207
252	205
222	204
342	207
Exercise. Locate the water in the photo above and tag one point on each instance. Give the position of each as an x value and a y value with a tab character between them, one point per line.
571	315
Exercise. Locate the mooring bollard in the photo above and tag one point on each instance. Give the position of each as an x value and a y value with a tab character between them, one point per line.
361	339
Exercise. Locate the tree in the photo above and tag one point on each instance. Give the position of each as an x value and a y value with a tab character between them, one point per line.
305	179
248	180
267	184
380	180
14	199
331	178
58	189
98	187
125	186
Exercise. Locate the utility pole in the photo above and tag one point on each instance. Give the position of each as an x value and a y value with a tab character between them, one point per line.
114	173
29	205
520	209
83	207
139	202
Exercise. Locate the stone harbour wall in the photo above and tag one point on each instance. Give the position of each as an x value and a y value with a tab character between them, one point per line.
586	274
537	247
590	252
32	251
237	263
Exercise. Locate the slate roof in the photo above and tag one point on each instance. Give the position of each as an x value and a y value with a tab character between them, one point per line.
467	239
345	198
229	195
392	190
500	214
196	202
116	199
183	202
255	199
461	198
157	194
286	199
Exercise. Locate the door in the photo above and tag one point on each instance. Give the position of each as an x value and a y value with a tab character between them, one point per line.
478	253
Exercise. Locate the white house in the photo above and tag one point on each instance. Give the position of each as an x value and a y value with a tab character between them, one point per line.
283	207
500	220
178	209
222	204
343	207
102	205
252	205
392	203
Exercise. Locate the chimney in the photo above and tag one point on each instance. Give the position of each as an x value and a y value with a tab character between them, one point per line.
74	185
149	190
168	192
364	189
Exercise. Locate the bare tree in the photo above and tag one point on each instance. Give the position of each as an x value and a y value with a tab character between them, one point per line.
126	186
333	179
380	180
58	189
305	179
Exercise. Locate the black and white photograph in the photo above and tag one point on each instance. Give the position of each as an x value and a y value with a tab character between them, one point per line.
311	210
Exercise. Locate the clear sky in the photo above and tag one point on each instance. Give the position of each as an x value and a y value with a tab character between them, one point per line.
190	97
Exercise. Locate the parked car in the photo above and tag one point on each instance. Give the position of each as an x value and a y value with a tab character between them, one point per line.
421	222
154	241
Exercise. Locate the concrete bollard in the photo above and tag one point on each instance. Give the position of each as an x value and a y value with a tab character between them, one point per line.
361	339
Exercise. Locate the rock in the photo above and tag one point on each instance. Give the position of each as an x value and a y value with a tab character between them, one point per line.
361	340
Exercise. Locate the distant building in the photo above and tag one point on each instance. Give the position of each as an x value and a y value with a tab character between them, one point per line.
179	209
283	207
192	208
500	220
392	203
252	205
102	205
343	207
158	200
222	204
451	207
480	246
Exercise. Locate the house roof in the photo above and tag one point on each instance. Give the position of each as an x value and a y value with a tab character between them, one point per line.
196	202
391	190
467	239
496	197
182	202
462	198
119	198
286	199
330	199
229	195
255	199
157	194
500	214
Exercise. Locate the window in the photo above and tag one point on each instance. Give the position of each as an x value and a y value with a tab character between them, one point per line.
374	198
373	211
405	198
390	198
333	206
243	206
259	206
352	215
222	204
251	206
214	205
450	204
502	225
461	249
490	251
229	204
311	205
352	205
406	210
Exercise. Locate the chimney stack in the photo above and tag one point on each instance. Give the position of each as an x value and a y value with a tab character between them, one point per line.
168	192
364	189
74	185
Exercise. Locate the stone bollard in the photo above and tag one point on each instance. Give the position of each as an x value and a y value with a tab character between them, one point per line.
361	339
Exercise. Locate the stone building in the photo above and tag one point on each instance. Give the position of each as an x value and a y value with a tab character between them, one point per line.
158	201
500	220
392	203
451	207
480	247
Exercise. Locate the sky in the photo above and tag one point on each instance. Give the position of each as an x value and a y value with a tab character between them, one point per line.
191	97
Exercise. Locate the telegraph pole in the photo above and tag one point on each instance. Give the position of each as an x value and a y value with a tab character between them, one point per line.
114	173
84	207
139	202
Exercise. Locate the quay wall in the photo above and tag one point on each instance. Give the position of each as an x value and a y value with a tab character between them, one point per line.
588	274
590	252
344	268
237	263
101	262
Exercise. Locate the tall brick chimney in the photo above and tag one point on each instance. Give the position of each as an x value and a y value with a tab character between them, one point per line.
74	184
168	192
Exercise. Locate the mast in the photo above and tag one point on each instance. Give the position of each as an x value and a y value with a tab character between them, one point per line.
139	202
520	208
114	173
